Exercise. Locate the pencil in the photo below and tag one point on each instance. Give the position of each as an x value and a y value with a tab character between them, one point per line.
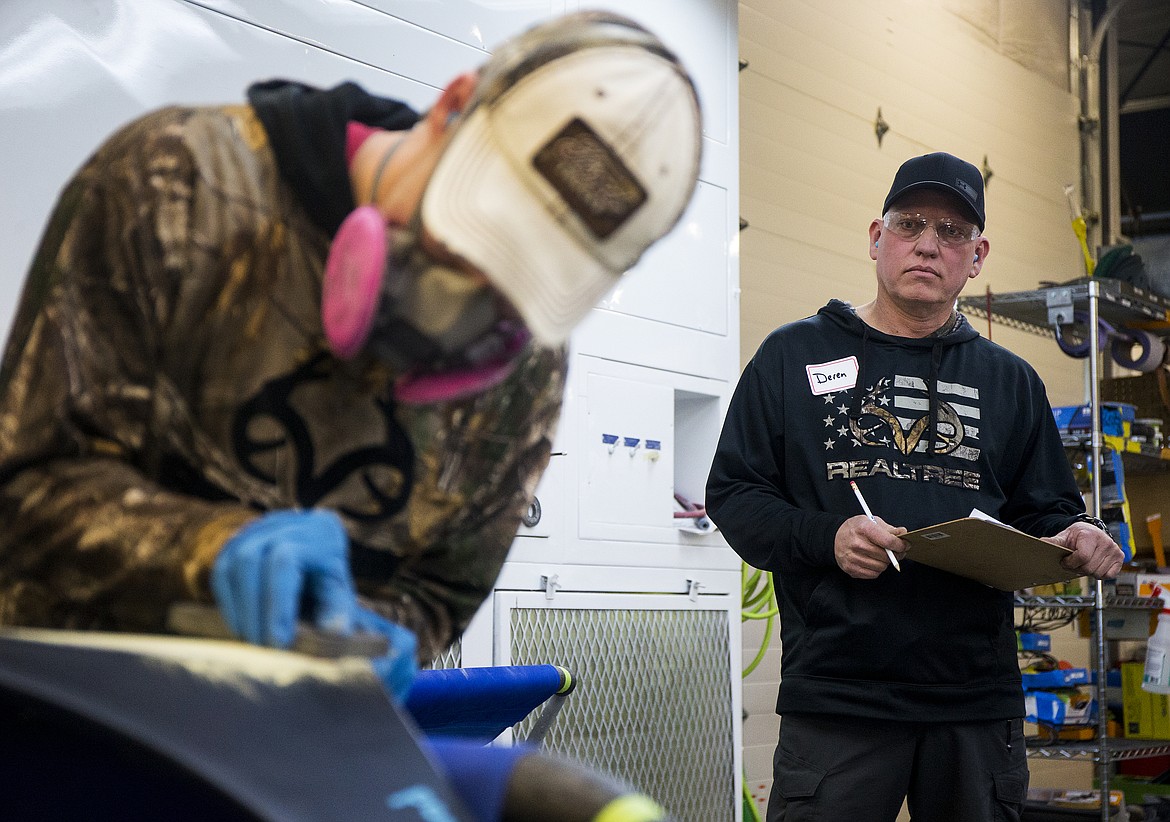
869	513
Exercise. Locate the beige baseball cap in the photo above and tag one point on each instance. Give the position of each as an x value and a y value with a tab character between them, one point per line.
580	149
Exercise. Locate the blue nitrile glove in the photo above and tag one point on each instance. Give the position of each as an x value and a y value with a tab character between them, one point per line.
397	668
260	574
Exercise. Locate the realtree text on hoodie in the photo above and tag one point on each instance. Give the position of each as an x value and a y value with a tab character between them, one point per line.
829	399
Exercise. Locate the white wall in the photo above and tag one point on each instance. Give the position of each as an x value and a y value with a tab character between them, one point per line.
978	78
656	360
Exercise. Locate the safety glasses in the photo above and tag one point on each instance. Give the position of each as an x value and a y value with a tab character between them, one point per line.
909	226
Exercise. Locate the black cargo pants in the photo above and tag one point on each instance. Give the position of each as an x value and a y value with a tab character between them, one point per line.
842	768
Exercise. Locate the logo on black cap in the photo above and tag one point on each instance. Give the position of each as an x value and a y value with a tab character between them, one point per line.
966	188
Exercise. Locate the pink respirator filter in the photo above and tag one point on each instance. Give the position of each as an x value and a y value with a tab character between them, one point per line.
353	281
350	295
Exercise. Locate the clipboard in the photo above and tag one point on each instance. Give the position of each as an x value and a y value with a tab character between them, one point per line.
989	552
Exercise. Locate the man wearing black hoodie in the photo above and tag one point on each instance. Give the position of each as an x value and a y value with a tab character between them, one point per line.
897	685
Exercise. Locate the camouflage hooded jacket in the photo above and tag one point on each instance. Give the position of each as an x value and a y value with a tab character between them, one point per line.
167	379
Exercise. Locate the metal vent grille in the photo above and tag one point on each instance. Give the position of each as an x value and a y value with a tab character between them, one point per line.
450	658
653	701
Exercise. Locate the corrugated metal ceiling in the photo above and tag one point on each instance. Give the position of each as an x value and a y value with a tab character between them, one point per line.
1143	57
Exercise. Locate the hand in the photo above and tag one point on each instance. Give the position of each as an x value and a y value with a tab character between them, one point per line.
861	543
400	664
262	571
1094	551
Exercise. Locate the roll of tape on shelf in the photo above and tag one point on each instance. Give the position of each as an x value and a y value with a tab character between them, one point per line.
1080	349
1151	351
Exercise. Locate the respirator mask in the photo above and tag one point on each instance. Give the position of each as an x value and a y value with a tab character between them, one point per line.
446	333
578	149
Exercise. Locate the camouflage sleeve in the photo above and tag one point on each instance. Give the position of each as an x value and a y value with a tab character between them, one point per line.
478	465
88	540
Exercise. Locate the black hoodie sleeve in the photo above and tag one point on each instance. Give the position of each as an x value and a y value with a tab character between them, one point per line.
746	489
1044	498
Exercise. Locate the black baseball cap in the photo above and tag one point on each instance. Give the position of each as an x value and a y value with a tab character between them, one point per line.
940	171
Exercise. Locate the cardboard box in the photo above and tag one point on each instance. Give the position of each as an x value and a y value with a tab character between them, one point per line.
1160	713
1060	707
1043	708
1080	706
1146	766
1057	678
1145	715
1069	588
1073	799
1136	788
1116	418
1077	733
1137	719
1034	642
1140	584
1120	623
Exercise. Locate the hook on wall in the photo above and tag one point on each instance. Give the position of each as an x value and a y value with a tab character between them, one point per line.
880	127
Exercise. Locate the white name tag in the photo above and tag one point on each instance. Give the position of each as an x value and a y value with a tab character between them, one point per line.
827	377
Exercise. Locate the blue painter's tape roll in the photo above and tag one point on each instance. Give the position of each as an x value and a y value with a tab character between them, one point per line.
1151	351
1080	349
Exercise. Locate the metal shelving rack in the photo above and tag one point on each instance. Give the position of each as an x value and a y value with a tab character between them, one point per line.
1040	312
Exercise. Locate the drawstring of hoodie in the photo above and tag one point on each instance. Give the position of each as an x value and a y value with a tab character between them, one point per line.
936	350
931	392
857	400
